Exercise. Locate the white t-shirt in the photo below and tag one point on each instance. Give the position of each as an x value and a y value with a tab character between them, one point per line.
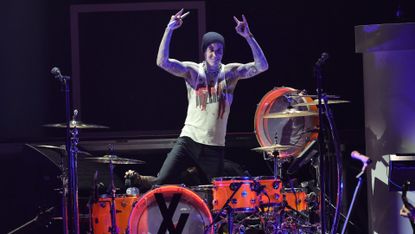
208	108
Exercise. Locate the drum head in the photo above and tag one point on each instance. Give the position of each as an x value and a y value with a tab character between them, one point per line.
170	208
298	131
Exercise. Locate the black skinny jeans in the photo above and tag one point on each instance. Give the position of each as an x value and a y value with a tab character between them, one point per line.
186	153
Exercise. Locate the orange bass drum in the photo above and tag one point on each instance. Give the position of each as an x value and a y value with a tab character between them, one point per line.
298	131
170	209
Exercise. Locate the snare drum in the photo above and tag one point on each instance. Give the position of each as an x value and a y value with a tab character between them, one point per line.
296	200
101	213
170	208
271	192
244	200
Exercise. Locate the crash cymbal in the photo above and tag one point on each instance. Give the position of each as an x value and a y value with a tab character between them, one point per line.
315	102
60	148
114	159
290	113
73	124
272	148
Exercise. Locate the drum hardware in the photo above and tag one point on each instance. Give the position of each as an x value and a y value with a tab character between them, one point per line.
112	160
366	161
235	186
290	113
43	217
303	158
113	229
71	188
324	111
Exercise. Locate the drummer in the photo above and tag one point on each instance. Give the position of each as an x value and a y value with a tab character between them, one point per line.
210	87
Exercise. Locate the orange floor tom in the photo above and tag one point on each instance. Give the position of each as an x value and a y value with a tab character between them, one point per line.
101	215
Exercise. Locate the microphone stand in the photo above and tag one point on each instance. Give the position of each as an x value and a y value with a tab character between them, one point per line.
72	139
319	81
323	97
359	183
336	144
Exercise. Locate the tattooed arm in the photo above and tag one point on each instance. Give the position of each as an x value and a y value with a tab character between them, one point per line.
173	66
260	63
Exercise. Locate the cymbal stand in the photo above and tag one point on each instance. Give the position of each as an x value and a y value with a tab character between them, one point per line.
64	192
113	229
73	175
276	170
229	210
71	149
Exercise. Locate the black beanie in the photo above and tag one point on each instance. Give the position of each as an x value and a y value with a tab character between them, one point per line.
212	37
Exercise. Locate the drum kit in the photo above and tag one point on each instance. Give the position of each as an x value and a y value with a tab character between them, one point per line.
286	127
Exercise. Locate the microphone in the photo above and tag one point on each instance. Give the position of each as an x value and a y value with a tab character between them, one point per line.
56	72
363	158
322	59
58	75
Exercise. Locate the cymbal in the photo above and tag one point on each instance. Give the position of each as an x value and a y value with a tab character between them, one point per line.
311	95
315	102
290	113
272	148
73	124
61	148
114	159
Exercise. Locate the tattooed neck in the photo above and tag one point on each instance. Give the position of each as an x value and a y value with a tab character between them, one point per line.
211	71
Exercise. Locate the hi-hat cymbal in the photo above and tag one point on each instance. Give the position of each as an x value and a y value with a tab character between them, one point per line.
272	148
290	113
114	159
73	124
61	148
315	102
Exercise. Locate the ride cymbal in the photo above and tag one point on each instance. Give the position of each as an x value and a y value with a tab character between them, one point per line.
114	159
290	113
74	123
315	102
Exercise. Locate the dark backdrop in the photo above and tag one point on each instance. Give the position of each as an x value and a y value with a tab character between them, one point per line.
121	86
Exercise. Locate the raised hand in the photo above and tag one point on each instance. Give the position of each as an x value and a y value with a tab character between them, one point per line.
177	20
242	27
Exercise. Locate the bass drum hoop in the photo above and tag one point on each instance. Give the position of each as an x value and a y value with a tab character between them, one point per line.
141	205
261	124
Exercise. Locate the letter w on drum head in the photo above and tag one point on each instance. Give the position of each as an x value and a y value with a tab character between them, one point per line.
168	213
